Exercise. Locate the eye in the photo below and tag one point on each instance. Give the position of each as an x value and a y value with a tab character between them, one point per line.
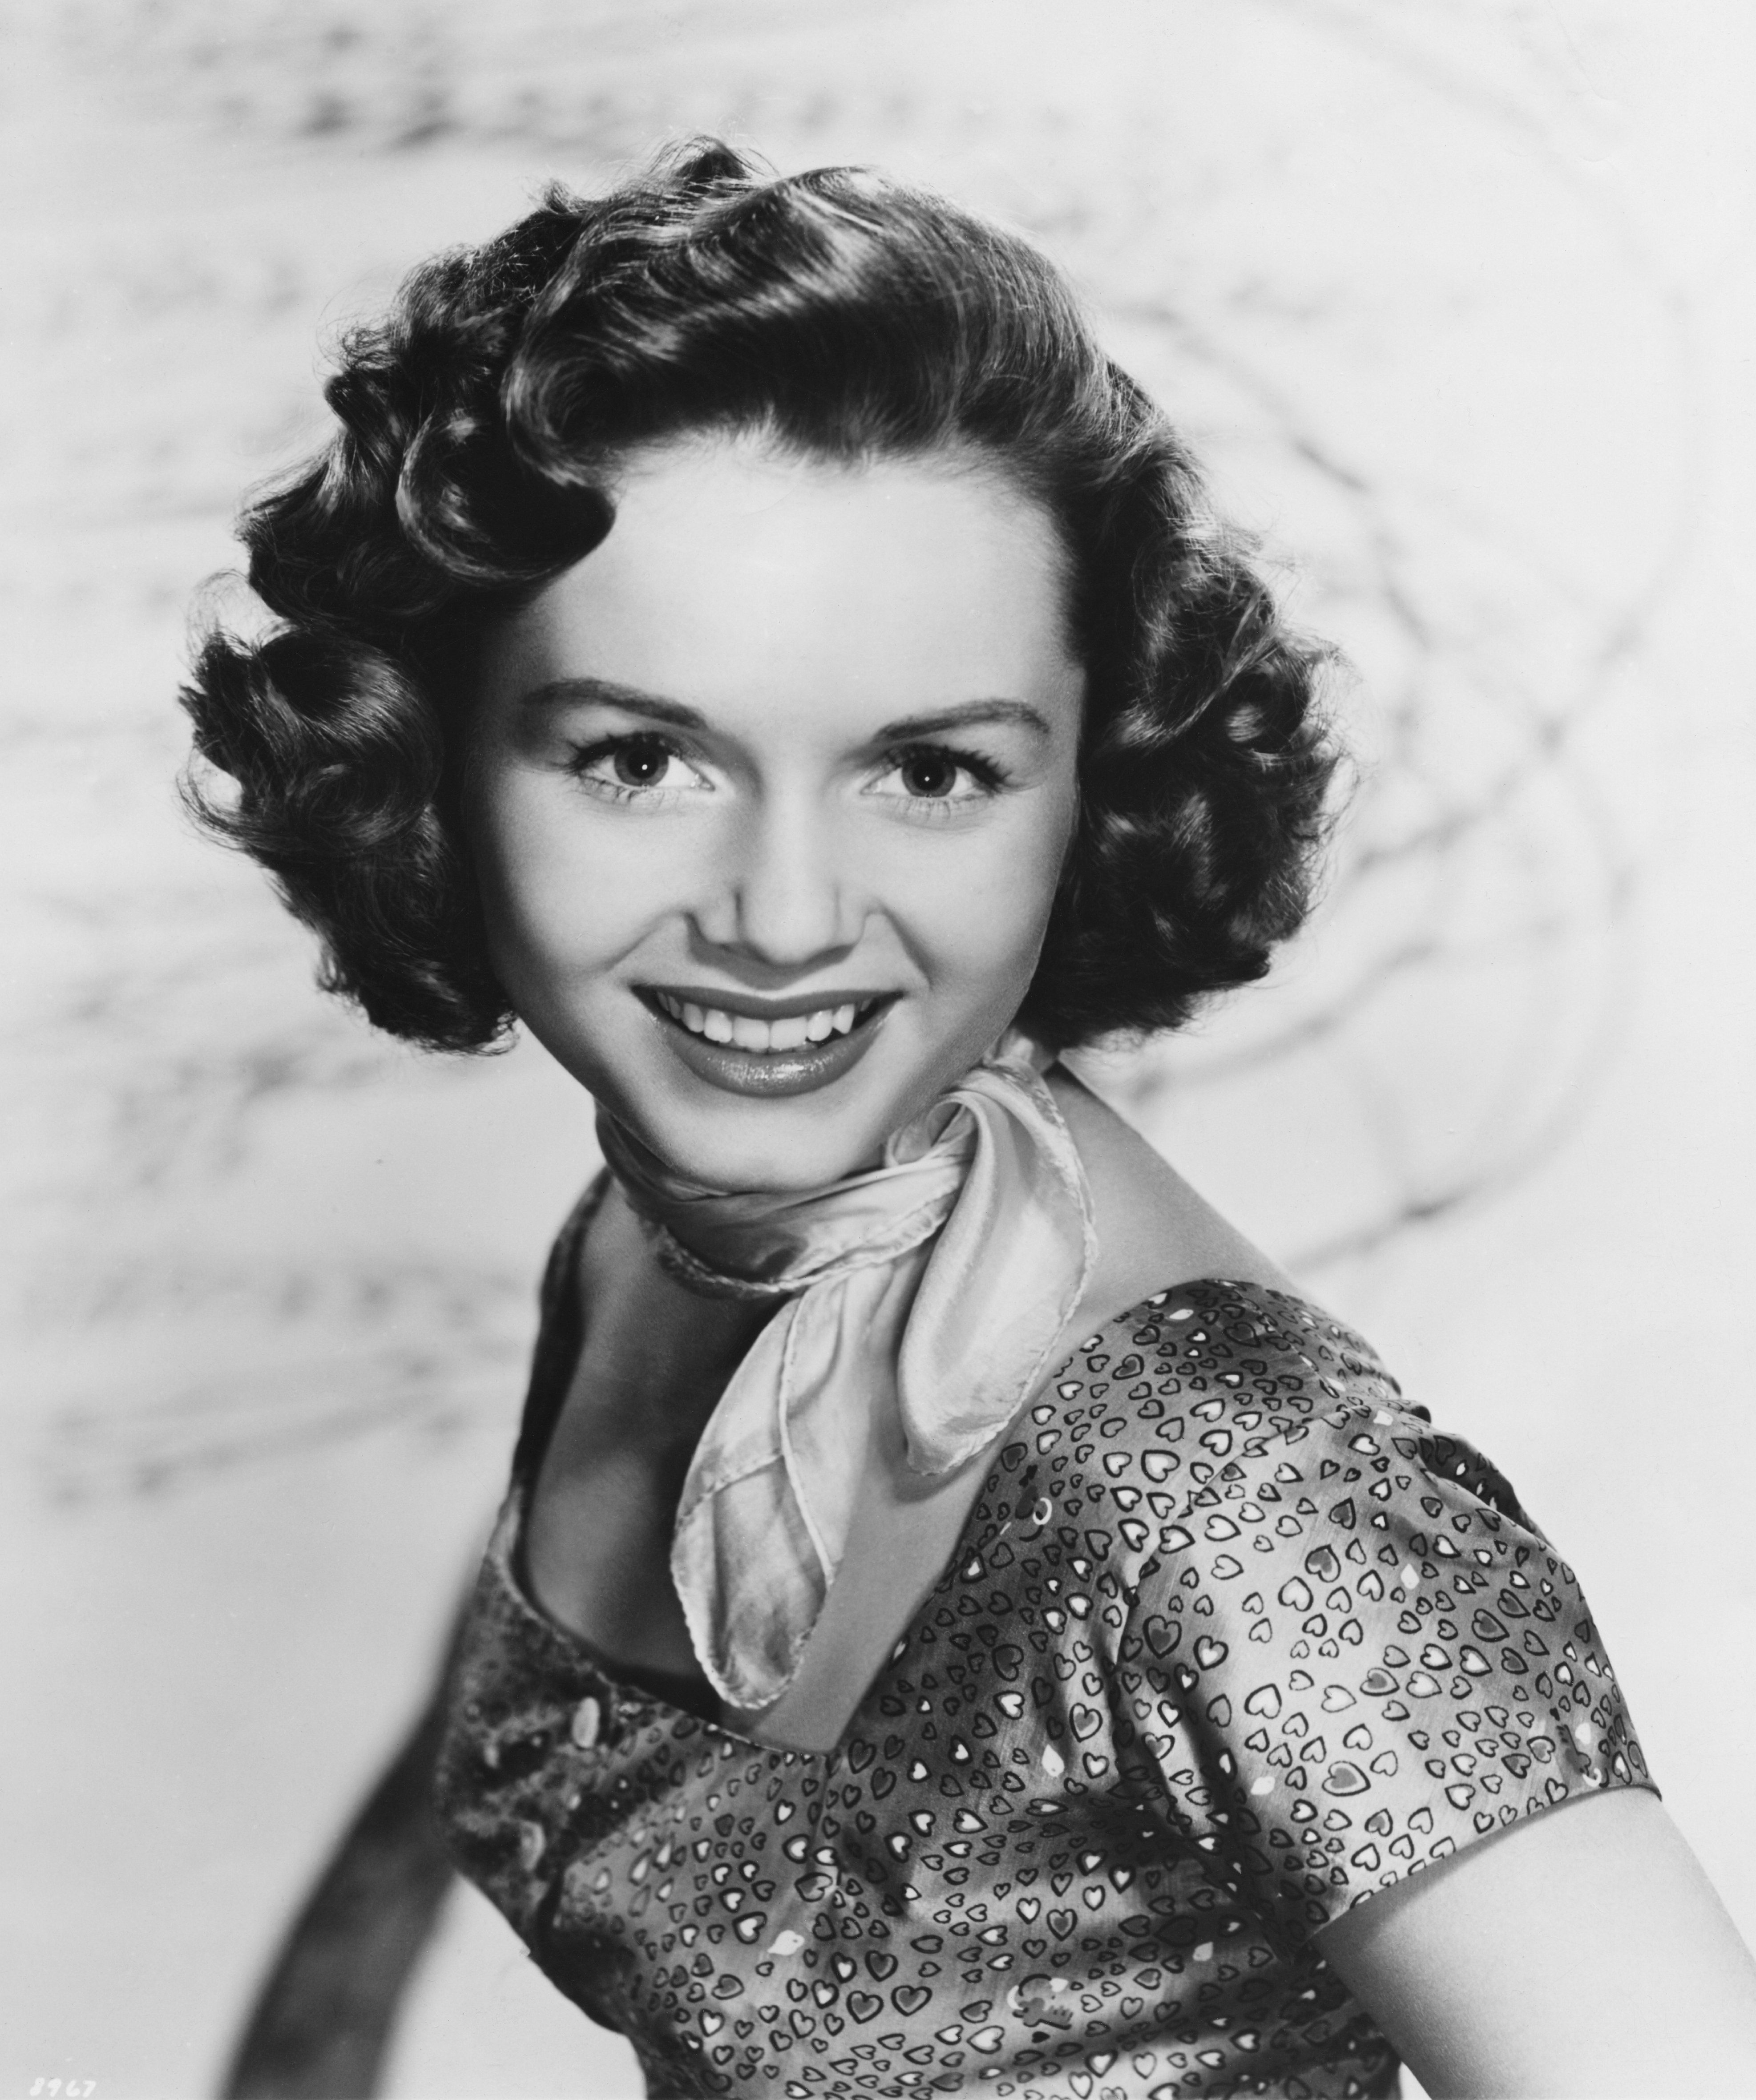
628	768
928	771
935	773
642	762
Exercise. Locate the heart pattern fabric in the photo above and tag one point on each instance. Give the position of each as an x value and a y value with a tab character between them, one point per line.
1233	1639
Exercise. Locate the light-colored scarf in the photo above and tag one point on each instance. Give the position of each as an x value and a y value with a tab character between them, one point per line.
938	1283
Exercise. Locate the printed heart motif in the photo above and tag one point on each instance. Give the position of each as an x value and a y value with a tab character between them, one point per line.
1077	1640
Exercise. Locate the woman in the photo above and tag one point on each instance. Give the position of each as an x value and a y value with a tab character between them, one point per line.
960	1618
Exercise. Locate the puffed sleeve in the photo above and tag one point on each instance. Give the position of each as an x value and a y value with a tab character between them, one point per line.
1351	1650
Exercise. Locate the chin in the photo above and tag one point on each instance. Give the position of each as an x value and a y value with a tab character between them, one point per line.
780	1153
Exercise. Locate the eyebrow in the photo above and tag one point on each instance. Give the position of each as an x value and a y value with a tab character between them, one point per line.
608	692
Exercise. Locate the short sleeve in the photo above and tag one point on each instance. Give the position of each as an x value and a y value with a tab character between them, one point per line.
1350	1651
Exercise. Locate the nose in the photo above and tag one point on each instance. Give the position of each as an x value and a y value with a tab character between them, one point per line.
781	897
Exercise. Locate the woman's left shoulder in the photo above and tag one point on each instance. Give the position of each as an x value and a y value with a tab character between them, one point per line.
1232	1390
1334	1637
1249	1361
1242	1332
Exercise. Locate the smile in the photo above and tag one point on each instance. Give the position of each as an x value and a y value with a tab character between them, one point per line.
746	1031
773	1055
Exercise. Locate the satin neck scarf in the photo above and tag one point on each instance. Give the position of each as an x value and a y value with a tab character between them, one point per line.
936	1284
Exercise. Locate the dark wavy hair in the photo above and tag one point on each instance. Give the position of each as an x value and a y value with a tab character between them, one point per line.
843	317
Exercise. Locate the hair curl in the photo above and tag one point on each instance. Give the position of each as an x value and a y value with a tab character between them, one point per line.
846	318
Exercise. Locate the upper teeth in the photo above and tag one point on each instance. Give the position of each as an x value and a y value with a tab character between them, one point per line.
747	1032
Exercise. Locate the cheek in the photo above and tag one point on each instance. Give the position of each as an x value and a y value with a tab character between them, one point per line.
985	918
549	881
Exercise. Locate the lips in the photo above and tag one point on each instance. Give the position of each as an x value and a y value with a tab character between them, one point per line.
770	1048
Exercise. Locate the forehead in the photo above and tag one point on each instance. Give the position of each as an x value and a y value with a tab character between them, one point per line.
734	570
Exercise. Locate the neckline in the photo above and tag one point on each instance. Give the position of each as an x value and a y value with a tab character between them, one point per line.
554	1370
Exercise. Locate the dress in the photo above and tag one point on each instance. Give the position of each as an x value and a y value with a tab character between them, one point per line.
1231	1637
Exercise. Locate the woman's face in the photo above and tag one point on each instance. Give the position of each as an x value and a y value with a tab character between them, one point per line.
768	798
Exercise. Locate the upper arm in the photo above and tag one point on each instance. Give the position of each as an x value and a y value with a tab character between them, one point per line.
1581	1951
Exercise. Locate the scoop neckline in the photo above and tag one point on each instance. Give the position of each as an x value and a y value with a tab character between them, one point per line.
510	1538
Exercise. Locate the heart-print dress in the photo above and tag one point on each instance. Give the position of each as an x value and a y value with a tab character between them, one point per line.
1232	1638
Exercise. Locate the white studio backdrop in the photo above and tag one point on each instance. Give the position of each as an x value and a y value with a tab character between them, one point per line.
1457	301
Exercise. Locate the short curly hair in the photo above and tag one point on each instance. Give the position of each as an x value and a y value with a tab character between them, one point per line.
841	317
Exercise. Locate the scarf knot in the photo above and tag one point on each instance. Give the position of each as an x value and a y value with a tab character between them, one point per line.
937	1284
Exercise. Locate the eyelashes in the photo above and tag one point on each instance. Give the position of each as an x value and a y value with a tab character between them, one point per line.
634	768
648	768
925	766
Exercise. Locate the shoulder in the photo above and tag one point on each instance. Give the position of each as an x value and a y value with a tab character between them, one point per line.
1232	1368
1304	1599
1230	1392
